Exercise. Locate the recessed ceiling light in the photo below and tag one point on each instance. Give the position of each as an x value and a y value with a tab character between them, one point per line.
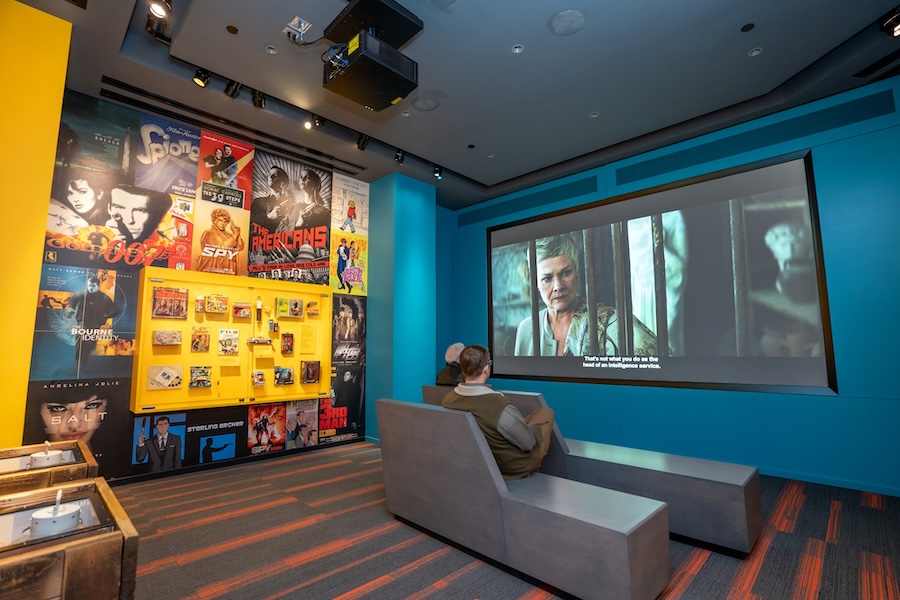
491	155
518	49
567	22
755	51
747	27
232	30
426	102
270	49
594	114
406	113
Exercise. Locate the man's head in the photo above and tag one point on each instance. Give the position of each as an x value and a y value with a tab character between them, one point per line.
310	181
162	425
475	363
93	284
278	179
138	210
557	271
453	351
227	149
348	375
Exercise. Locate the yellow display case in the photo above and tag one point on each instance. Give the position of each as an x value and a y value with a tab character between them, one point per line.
266	341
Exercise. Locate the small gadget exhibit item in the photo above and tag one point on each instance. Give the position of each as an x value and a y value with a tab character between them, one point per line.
240	310
287	343
169	303
164	377
200	304
259	378
284	376
310	371
166	337
216	303
200	377
312	309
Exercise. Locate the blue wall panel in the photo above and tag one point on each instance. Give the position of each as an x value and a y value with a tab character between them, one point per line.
848	439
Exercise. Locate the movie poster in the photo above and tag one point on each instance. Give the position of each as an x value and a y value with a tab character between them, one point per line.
350	205
302	423
266	428
220	239
215	434
85	325
127	228
166	156
349	263
94	411
225	171
342	415
157	442
96	135
289	221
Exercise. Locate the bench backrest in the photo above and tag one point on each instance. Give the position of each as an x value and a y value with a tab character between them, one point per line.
526	402
439	473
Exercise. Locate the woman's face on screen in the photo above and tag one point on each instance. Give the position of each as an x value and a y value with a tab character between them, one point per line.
557	281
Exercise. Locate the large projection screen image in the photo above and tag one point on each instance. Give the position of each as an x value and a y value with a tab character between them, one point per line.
712	283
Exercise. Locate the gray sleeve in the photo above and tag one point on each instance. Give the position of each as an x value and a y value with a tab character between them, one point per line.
512	426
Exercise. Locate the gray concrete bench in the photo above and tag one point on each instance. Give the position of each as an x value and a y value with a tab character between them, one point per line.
588	541
710	501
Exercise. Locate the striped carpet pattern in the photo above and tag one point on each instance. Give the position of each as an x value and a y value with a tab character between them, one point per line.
314	525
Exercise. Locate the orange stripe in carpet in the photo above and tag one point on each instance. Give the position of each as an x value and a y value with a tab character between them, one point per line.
186	558
684	575
833	533
443	583
291	591
382	581
809	573
249	578
876	578
306	486
356	492
220	517
783	518
324	467
870	500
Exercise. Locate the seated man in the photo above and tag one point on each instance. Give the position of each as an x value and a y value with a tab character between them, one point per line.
519	444
451	375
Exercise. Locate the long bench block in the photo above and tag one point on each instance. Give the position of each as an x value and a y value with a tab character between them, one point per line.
711	501
589	541
715	502
435	475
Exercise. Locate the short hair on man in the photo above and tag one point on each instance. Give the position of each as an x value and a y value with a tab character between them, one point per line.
158	204
473	359
163	418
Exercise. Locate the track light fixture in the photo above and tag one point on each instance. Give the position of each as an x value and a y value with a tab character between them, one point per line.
400	156
319	121
161	9
157	28
202	77
233	88
259	99
890	23
438	173
362	141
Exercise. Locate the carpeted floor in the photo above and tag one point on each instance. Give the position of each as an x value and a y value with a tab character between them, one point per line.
314	525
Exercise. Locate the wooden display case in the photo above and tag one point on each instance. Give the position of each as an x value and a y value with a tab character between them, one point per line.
18	474
96	560
175	307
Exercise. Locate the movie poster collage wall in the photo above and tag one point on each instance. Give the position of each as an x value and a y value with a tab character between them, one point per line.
133	189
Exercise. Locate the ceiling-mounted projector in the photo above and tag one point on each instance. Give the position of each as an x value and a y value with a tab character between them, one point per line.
369	69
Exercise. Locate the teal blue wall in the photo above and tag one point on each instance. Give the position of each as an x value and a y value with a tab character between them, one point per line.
400	335
849	439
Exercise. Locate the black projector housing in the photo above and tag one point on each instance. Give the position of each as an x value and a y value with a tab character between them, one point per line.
371	72
385	19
